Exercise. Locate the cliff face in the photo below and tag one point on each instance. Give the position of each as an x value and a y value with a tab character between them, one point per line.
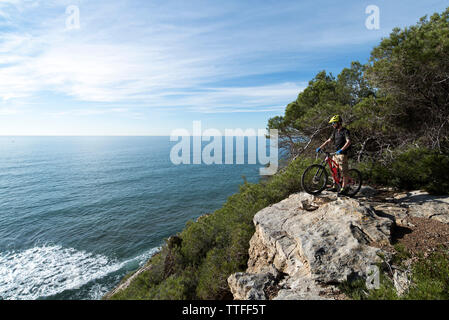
305	245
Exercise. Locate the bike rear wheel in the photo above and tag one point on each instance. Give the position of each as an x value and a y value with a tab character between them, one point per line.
354	182
314	179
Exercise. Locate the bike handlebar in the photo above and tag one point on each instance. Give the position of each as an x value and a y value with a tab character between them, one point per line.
328	153
325	152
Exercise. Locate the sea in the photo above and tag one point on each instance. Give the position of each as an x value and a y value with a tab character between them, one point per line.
79	213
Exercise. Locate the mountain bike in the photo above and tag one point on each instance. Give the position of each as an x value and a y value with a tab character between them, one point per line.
315	177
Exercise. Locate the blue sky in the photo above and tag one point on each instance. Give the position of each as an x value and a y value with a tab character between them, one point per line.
149	67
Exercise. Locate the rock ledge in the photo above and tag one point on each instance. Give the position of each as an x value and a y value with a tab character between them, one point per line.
305	245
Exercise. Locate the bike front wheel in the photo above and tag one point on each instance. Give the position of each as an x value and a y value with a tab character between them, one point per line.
314	179
354	182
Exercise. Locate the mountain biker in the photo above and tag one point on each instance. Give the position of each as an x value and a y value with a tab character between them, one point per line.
340	136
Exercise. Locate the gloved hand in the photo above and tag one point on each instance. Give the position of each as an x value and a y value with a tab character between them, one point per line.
338	152
318	150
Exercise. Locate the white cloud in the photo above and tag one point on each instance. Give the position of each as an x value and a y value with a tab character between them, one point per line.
9	111
148	73
155	59
240	99
88	112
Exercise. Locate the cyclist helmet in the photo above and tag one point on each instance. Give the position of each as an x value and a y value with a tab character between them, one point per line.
335	118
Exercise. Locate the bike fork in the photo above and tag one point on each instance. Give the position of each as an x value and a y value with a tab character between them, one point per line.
318	174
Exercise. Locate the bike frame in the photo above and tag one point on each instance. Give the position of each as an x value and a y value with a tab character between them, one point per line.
353	184
333	166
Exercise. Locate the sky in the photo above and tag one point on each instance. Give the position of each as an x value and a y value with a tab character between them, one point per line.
148	67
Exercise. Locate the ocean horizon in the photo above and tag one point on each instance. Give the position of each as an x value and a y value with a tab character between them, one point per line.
77	213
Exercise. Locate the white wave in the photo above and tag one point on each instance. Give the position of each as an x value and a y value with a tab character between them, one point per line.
97	291
48	270
143	258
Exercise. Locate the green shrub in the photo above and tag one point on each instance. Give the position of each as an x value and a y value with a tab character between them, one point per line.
140	287
375	173
416	168
175	287
355	289
430	278
438	178
213	274
197	239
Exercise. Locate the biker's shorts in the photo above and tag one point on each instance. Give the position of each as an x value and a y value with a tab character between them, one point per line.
342	161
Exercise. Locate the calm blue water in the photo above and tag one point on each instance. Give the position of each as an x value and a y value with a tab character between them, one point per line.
78	213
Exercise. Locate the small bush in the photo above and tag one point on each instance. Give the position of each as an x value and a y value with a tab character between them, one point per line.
213	274
355	289
416	168
375	173
175	287
437	181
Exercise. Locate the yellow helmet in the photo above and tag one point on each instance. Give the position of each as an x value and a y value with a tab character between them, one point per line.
335	118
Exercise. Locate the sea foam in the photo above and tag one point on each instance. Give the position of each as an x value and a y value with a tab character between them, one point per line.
48	270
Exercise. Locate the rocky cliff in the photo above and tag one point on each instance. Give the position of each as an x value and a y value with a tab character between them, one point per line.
304	246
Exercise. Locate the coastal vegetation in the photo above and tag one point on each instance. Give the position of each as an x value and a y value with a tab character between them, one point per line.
429	280
397	109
